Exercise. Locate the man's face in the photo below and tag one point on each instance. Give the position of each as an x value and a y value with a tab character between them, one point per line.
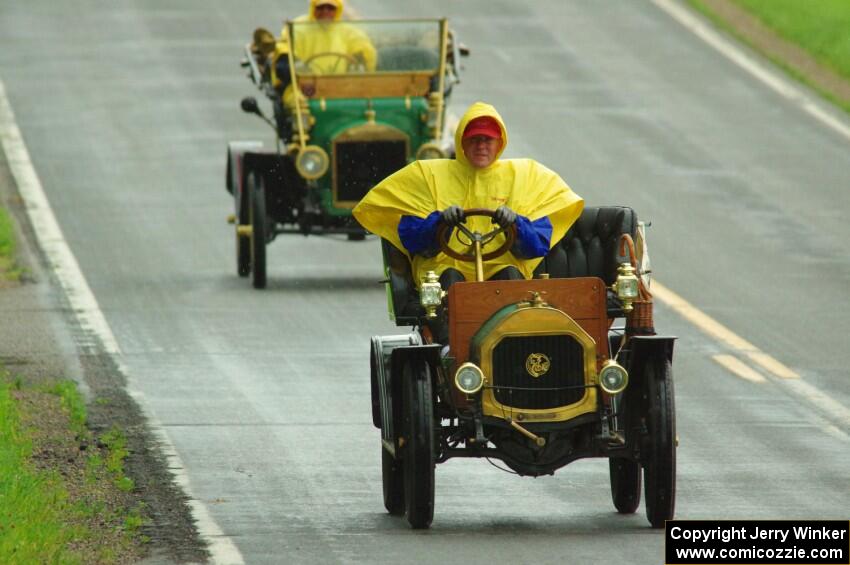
481	150
325	12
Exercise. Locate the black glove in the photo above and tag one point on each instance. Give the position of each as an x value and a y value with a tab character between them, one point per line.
504	216
452	216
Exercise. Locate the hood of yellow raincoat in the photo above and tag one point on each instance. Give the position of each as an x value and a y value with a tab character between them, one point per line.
479	110
313	3
422	187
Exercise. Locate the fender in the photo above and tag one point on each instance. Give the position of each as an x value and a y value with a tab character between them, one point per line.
383	359
641	350
391	412
643	347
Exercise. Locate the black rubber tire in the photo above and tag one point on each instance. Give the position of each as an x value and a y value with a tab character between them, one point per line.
392	477
659	465
418	453
625	484
259	227
243	255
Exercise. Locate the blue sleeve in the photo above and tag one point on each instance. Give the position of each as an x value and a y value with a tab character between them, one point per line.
532	238
419	235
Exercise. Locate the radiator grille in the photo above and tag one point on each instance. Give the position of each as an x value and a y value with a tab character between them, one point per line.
360	165
516	387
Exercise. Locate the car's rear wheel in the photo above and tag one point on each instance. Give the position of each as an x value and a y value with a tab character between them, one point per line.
392	475
625	484
259	228
418	450
659	465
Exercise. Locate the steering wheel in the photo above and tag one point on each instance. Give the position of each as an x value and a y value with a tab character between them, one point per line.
351	61
444	235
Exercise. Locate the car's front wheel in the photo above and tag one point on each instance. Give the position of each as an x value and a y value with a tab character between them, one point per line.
625	484
392	475
659	465
259	223
418	450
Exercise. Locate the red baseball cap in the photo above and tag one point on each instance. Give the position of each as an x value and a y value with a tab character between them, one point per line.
485	126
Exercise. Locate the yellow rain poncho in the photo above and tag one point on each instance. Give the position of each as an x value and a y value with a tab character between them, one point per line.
422	187
337	40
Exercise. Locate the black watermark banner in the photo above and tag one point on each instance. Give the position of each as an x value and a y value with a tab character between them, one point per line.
757	542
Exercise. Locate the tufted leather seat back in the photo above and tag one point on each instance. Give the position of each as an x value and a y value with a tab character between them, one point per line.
590	246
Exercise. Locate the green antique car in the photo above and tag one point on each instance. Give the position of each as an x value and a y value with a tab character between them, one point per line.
343	123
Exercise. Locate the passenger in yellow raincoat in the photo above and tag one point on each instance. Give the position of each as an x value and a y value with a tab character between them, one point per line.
407	207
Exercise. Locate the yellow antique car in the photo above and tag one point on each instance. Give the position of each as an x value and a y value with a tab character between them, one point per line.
539	372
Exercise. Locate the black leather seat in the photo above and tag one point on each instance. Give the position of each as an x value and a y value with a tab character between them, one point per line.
590	248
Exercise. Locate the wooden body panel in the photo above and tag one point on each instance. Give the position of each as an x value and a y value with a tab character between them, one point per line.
472	303
367	85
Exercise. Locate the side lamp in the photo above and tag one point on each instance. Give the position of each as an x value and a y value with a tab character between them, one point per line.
626	286
431	294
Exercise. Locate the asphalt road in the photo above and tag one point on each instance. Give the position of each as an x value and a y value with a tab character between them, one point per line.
126	108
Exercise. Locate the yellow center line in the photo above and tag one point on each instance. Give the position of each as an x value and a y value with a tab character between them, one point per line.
739	368
721	333
772	365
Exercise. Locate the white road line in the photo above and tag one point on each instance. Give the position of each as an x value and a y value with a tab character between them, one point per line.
815	108
85	307
50	238
731	51
837	410
739	368
221	547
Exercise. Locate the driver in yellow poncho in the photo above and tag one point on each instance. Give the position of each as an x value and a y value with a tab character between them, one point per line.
328	44
407	207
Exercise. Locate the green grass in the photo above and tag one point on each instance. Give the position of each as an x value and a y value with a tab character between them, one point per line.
8	269
116	441
73	404
821	27
33	504
38	521
817	26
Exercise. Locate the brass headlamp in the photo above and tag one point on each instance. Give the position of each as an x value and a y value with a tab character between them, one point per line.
312	162
469	378
431	294
613	378
626	286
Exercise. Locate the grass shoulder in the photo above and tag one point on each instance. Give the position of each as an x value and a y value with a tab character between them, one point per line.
808	40
10	272
64	496
818	27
